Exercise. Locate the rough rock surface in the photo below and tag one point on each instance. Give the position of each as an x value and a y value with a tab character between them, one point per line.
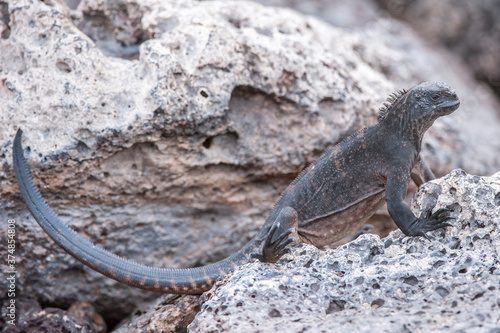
469	29
30	317
174	130
347	14
183	150
167	314
88	313
448	284
414	58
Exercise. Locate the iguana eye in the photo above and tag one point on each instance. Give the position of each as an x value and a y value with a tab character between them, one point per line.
435	97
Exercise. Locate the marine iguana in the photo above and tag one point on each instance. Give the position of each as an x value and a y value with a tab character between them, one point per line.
332	197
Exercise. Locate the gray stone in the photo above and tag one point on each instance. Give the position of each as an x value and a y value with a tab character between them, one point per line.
448	284
346	14
167	314
412	58
183	150
469	29
30	317
87	312
167	136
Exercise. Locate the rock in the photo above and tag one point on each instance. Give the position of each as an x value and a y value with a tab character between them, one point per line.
418	60
448	284
32	318
465	132
166	314
187	147
413	59
346	14
87	312
167	135
470	30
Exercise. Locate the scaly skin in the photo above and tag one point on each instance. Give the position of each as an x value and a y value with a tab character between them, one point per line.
332	197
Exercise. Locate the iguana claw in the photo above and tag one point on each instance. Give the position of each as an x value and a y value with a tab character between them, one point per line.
431	221
278	238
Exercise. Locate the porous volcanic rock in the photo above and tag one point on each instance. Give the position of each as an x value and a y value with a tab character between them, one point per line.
450	283
167	314
164	131
30	317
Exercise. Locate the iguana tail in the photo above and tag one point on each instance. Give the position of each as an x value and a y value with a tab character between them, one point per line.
174	281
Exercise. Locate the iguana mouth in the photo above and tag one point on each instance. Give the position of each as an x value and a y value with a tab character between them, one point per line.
449	106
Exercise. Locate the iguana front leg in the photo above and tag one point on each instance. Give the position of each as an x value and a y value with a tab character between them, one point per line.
276	239
397	184
421	173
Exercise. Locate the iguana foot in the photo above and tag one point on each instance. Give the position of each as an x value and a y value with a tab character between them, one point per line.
281	234
430	222
365	230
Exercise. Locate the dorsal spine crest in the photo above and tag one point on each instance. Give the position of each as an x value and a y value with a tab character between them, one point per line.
390	101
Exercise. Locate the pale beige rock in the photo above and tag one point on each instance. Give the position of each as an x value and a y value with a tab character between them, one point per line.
174	154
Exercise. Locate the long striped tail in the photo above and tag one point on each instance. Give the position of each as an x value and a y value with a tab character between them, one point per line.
165	280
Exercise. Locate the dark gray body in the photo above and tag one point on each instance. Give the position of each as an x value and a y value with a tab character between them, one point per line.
334	196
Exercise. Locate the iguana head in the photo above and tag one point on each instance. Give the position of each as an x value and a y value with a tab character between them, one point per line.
433	100
420	106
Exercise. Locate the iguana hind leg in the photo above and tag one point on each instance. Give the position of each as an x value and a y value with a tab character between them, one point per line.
276	239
